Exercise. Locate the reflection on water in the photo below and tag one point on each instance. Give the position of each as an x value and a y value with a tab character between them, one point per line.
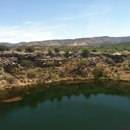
72	107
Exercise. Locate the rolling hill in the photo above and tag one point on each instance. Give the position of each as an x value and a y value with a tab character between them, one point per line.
104	40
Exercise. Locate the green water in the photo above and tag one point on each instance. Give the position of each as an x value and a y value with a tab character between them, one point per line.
69	107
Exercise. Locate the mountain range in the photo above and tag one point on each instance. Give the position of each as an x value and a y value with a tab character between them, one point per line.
104	40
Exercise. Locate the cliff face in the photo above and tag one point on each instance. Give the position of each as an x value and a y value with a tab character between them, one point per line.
74	42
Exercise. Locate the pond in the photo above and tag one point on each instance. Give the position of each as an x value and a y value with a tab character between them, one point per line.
69	107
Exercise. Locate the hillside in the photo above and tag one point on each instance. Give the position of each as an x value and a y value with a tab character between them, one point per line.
75	42
21	69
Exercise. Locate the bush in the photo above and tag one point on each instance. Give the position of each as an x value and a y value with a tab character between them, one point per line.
57	50
27	63
17	71
19	49
94	50
30	49
50	53
66	53
50	63
4	48
85	53
82	63
31	73
98	71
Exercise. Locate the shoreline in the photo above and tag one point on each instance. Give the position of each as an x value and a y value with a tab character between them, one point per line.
17	93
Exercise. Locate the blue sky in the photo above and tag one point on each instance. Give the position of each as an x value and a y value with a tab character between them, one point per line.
36	20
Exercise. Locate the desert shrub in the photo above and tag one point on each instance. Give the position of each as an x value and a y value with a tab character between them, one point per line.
94	50
17	70
30	49
4	48
57	50
82	63
66	53
65	60
31	73
7	49
98	71
50	53
50	63
26	63
79	72
19	49
85	53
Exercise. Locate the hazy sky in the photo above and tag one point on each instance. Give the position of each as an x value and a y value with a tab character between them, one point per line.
34	20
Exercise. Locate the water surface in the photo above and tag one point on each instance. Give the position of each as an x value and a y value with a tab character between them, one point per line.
69	107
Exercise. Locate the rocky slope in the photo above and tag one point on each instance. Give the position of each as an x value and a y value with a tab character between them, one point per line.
17	69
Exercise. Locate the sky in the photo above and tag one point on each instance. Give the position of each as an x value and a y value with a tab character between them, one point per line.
38	20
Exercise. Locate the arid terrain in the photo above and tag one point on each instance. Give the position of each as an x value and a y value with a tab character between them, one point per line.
23	68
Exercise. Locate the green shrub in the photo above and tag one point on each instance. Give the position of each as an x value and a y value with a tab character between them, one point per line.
66	53
50	63
31	73
57	50
50	53
85	53
19	49
30	49
26	63
94	50
4	48
98	71
82	63
17	70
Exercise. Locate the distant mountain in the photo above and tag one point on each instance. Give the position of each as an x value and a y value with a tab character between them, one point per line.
74	42
7	44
